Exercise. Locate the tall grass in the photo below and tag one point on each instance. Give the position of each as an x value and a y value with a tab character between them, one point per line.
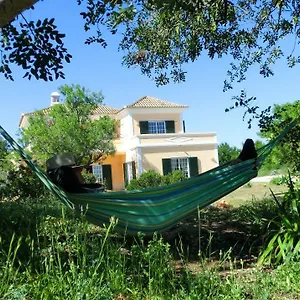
284	234
49	253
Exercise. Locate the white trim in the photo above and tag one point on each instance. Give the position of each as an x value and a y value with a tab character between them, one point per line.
131	126
176	157
216	152
180	123
139	161
175	135
155	110
172	145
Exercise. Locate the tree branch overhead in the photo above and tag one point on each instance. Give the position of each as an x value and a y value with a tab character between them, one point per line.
9	9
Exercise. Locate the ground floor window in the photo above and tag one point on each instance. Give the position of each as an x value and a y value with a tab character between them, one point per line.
189	165
129	172
103	174
98	173
180	164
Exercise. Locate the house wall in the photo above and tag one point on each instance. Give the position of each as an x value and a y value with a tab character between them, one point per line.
116	161
156	117
152	157
126	127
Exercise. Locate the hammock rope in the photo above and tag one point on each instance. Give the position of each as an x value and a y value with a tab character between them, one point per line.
155	209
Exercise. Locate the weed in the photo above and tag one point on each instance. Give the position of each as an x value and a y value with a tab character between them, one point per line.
49	253
284	234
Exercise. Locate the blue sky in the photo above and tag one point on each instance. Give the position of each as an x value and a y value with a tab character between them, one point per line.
100	69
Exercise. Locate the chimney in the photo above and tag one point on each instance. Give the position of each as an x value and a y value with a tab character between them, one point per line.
54	98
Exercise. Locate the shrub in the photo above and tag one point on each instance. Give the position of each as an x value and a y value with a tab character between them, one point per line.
174	177
151	179
284	234
88	177
147	180
24	183
133	185
280	180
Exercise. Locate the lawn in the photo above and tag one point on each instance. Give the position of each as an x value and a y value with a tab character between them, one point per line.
46	252
253	191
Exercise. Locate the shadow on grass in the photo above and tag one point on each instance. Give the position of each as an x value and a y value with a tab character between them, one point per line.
214	231
207	233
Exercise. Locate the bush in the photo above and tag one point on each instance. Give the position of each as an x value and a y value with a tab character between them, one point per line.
280	180
22	182
151	179
174	177
147	180
88	177
284	235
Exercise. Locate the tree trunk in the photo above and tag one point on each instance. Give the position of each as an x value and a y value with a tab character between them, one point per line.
9	9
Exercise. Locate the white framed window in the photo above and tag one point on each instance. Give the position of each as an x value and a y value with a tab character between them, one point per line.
129	171
180	164
156	127
98	173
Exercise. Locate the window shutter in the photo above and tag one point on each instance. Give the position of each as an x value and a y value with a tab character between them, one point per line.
133	169
125	174
170	126
107	176
193	164
144	127
166	164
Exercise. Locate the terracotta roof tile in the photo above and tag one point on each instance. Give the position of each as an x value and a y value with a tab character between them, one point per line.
101	109
144	102
104	109
152	102
45	111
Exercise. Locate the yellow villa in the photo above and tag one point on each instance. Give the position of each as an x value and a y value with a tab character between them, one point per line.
151	137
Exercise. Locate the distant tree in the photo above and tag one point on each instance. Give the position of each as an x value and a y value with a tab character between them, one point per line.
4	150
227	153
288	150
68	127
274	161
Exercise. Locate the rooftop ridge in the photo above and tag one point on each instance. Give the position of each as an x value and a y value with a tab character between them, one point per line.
153	102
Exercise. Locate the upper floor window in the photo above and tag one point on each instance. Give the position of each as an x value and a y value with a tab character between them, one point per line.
157	127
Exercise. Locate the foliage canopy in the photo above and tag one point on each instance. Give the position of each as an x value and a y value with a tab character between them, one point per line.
288	151
227	153
68	128
161	36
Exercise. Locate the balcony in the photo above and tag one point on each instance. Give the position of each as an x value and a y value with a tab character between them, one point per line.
167	139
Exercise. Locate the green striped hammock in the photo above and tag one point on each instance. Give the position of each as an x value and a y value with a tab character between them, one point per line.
155	209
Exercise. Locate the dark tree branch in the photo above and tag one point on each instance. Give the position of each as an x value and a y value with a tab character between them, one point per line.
10	9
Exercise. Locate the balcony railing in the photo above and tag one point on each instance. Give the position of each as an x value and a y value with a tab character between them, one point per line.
167	139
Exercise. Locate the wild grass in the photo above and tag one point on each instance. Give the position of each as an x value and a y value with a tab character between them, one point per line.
46	252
